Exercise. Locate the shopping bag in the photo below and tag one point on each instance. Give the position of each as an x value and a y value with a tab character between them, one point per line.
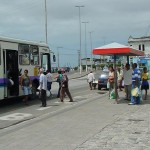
112	94
135	92
108	85
48	93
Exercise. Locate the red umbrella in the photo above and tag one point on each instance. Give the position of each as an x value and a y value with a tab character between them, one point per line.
117	49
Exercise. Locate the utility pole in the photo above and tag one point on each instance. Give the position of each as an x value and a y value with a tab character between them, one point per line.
85	44
46	22
91	49
80	37
58	55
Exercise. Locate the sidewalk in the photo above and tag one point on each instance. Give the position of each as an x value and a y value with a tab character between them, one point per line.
97	124
130	131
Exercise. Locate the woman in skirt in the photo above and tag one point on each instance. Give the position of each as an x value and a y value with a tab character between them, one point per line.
145	84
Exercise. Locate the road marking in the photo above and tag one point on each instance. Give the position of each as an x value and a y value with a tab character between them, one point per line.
15	116
44	108
78	97
65	102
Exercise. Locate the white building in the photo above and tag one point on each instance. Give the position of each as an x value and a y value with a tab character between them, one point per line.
142	43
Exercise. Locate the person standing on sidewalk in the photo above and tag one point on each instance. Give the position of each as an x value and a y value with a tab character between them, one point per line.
65	87
136	78
127	76
49	81
145	84
111	78
90	79
25	84
43	87
119	77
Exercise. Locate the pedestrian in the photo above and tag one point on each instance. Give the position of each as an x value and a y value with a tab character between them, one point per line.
64	87
90	79
127	77
111	78
58	79
25	84
145	84
119	78
49	81
43	87
136	78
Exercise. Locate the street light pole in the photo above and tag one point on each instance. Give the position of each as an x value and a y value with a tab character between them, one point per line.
46	22
80	38
58	55
91	49
85	44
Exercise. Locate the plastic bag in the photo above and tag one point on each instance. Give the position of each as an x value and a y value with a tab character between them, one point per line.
135	92
112	94
48	93
108	85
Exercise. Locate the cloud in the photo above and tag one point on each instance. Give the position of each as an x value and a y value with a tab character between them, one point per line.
110	20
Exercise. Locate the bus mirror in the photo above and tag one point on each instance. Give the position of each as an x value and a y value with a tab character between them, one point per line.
54	58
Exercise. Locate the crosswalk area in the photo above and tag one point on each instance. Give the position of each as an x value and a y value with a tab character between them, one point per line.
31	112
15	116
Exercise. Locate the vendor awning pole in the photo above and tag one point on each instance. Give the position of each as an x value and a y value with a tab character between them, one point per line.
115	68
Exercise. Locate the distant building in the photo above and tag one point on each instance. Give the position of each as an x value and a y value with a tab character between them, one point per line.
142	43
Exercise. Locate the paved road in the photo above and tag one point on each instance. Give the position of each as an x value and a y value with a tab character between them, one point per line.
94	123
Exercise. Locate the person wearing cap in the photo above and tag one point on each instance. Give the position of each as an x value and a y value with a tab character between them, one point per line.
65	87
43	87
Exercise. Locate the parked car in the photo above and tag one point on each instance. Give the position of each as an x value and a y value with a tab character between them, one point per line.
102	80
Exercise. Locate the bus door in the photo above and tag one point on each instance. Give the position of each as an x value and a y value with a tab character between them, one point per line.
45	61
11	73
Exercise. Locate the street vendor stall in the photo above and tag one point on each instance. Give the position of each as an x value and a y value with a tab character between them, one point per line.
117	49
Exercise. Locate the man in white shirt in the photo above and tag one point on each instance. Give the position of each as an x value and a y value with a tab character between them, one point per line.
49	81
127	75
90	79
43	87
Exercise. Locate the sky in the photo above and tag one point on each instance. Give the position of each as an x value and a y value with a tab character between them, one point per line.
108	21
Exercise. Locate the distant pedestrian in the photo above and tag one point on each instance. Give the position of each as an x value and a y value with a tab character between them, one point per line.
127	76
58	79
64	87
119	78
136	78
145	84
111	78
25	84
49	81
90	79
43	87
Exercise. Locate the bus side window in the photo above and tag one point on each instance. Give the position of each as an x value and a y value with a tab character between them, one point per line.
34	57
24	54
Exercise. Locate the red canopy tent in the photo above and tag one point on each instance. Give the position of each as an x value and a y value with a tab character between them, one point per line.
117	49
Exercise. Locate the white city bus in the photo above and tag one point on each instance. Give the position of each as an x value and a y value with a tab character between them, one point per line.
19	55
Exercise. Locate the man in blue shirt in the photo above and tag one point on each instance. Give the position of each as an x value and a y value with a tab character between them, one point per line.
136	78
